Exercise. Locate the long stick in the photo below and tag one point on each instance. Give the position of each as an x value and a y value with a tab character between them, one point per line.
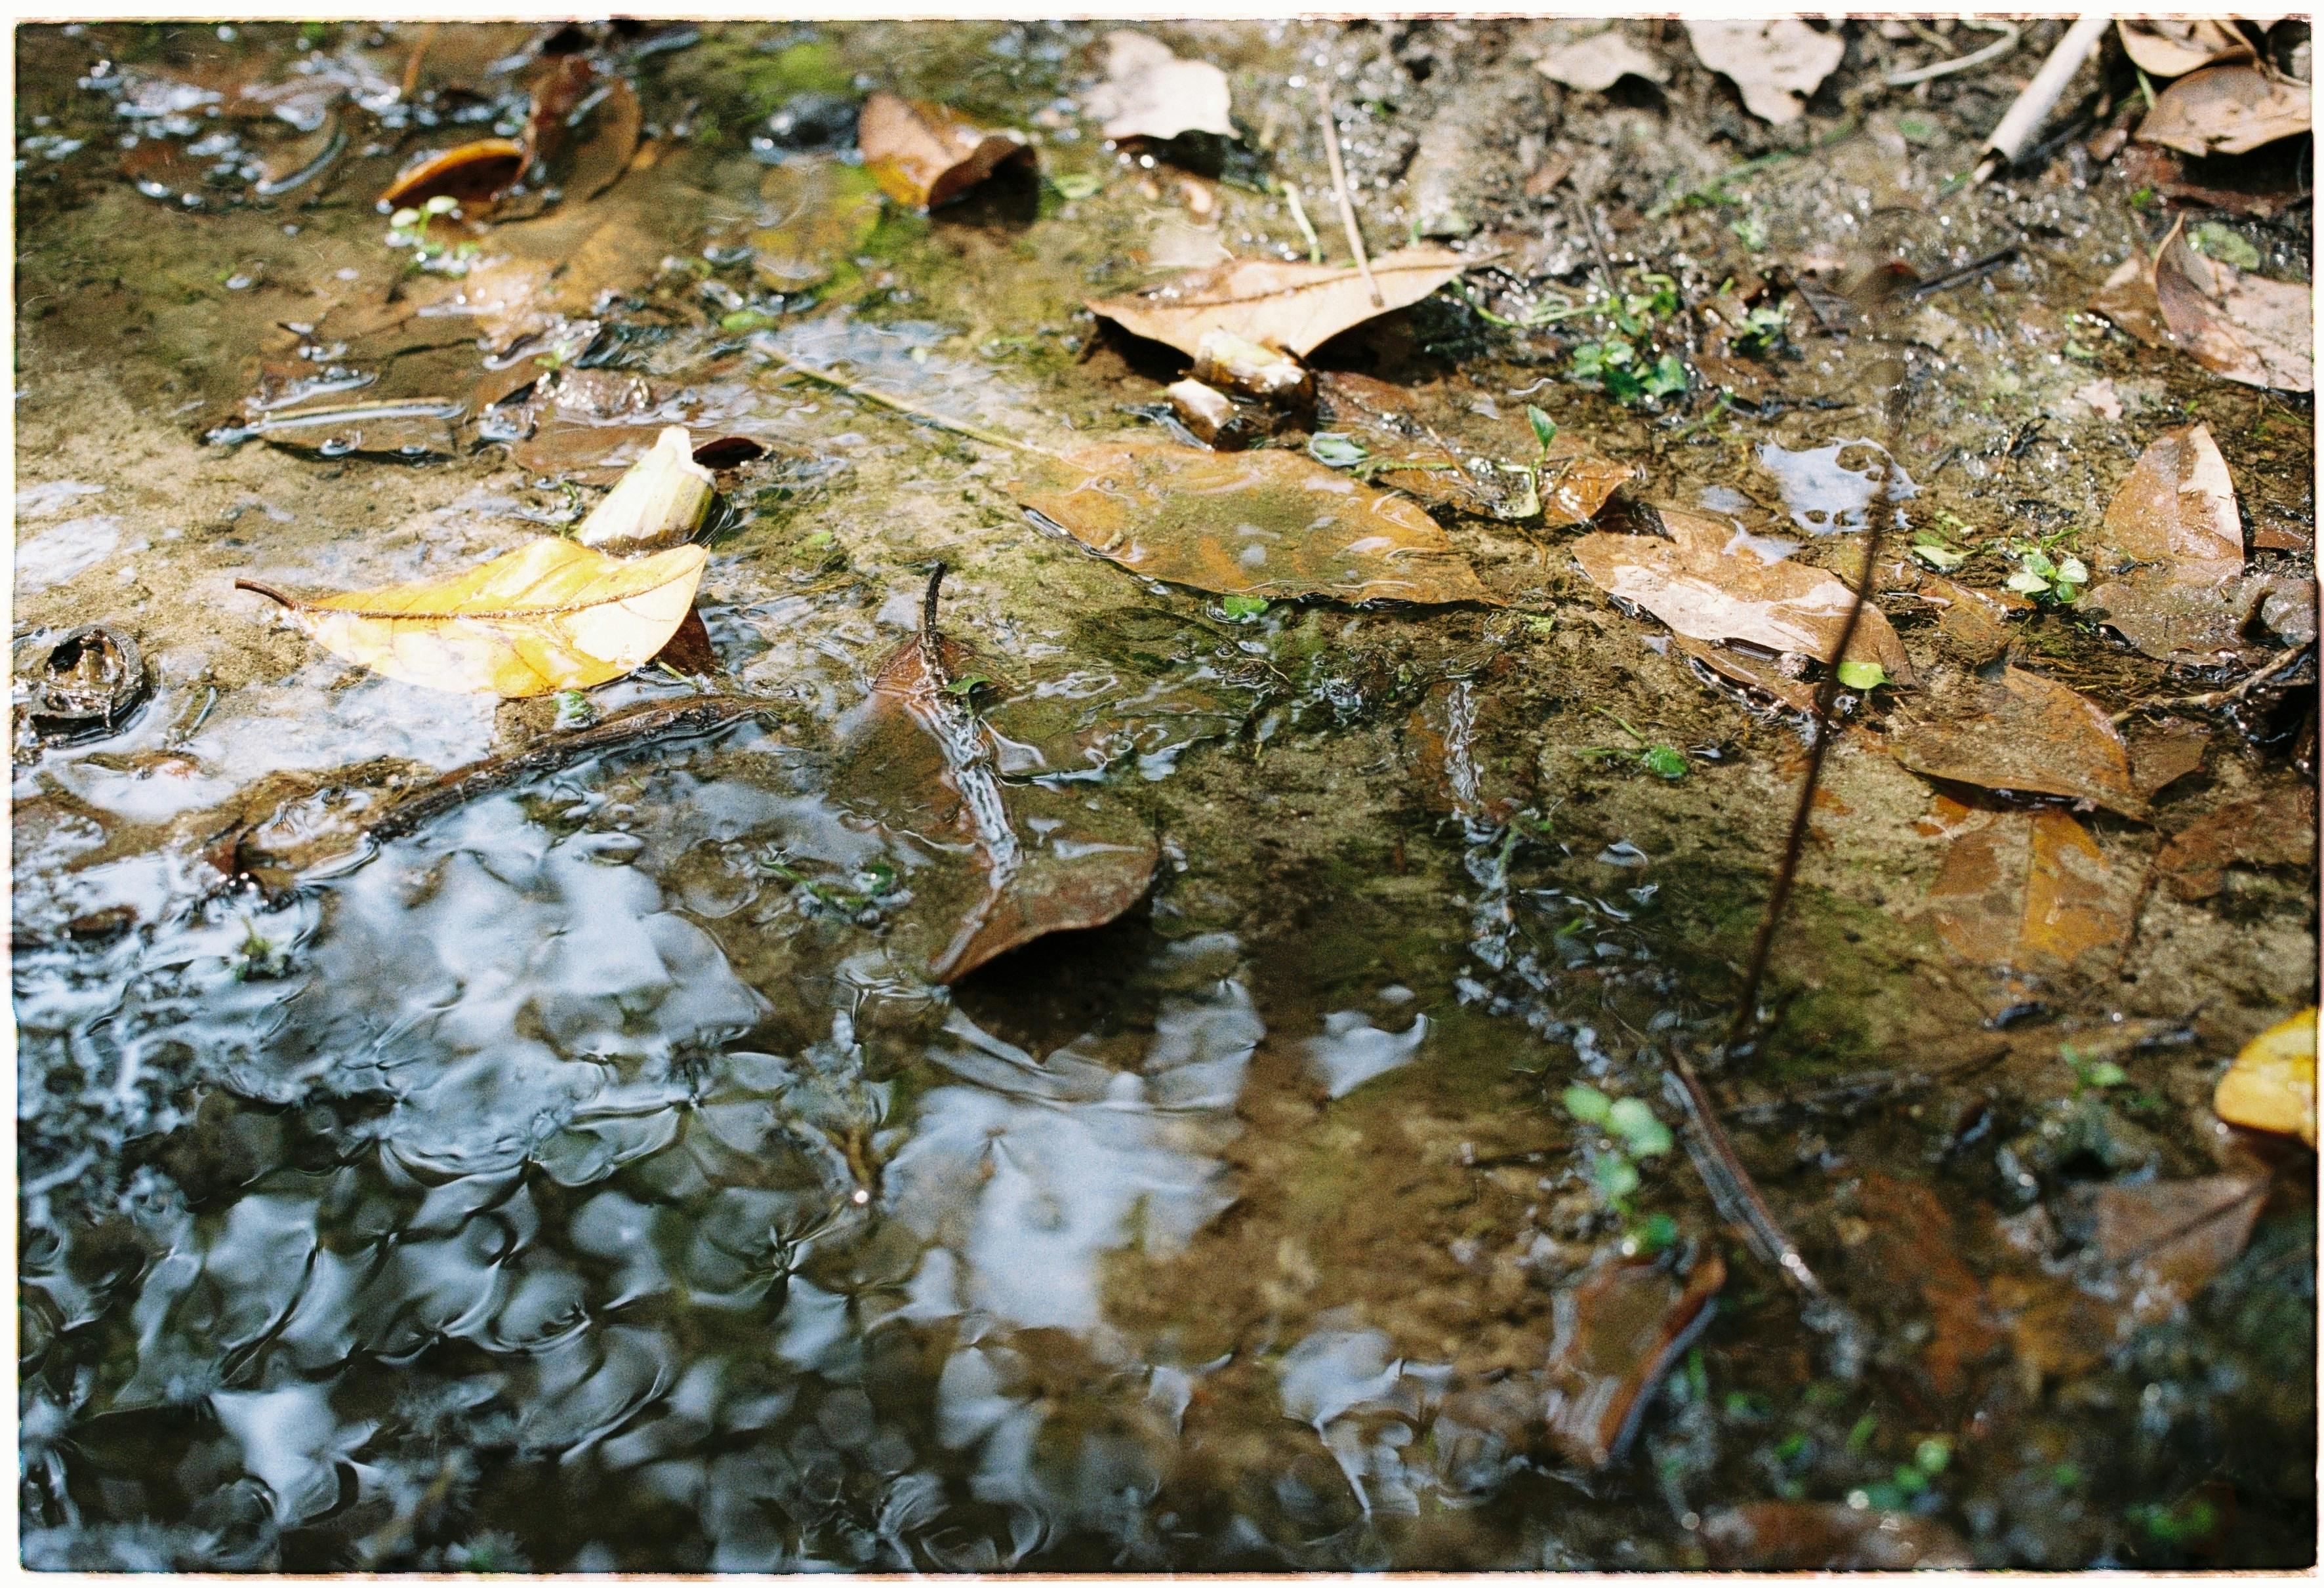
1730	1186
1340	186
1747	1009
990	438
2041	95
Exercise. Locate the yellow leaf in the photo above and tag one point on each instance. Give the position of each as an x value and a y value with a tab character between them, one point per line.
549	615
2272	1085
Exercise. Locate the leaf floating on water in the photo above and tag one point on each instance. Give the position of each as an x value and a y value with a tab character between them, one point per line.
1270	523
549	615
922	760
2228	110
661	500
2246	327
2272	1085
1694	583
2027	733
473	173
822	213
2173	46
1150	92
1776	65
1294	307
924	155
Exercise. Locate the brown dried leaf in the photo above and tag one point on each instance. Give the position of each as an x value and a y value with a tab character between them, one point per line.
2177	511
473	173
1803	1536
2027	733
1294	307
2246	327
2165	1240
1596	63
924	155
2031	891
1694	583
2228	110
2257	188
1765	674
1150	93
1618	1330
1775	64
2173	46
923	762
2264	830
1269	524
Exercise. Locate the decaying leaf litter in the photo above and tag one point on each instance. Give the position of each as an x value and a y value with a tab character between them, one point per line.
2012	975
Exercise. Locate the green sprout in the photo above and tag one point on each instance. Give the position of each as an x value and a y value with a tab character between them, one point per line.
2057	580
1335	450
1862	675
1662	760
1544	428
1762	328
408	229
2224	243
968	684
1239	608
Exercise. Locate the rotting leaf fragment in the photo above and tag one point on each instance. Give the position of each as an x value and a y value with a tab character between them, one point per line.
925	155
1296	307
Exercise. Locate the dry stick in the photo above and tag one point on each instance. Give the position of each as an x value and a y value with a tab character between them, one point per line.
2268	680
2040	95
1340	187
419	54
990	438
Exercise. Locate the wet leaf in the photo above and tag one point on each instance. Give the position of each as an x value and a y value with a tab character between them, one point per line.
1696	585
78	685
549	615
924	155
661	501
2176	512
2025	733
2163	1239
1150	92
2173	46
2031	891
1910	1263
1761	673
822	214
2272	1085
1571	483
1599	61
2245	328
2264	830
2257	188
473	173
922	760
1296	307
1619	1329
1269	523
2228	110
1799	1536
1776	65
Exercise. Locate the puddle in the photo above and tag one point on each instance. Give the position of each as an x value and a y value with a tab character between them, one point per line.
1830	490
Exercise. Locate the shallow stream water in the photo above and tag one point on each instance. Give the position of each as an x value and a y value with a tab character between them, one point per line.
587	1181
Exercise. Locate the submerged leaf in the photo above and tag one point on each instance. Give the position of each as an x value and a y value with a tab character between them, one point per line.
1805	1536
2031	891
1570	483
2264	830
1618	1331
1150	93
2246	327
1775	64
1269	523
473	173
549	615
922	760
925	155
2228	110
2175	514
1294	307
2272	1085
2027	733
1696	585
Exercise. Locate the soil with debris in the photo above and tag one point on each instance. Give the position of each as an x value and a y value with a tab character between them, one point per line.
587	1171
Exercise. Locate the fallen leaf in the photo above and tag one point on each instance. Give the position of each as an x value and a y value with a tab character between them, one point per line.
2272	1085
1618	1331
2027	733
2164	754
2032	892
2128	298
606	144
1803	1536
1598	62
1150	92
2227	110
821	214
1763	673
919	756
1973	619
1911	1263
1270	523
2264	830
2257	188
2173	46
1294	307
81	684
1775	64
924	155
661	501
1695	584
2175	514
549	615
2162	1240
2245	326
473	173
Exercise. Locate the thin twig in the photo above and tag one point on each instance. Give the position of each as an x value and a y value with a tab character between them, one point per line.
2040	96
1943	69
2268	680
1340	187
1730	1186
1795	844
419	54
990	438
1306	227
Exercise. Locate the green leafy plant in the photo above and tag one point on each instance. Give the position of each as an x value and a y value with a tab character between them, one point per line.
409	227
1762	329
2224	243
1240	608
1613	1170
2055	580
1334	450
1663	761
1544	428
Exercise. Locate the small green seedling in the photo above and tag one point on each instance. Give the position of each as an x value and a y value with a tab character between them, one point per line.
1662	760
1334	450
574	710
1077	184
1751	232
408	228
2224	243
1930	548
1544	428
1862	676
968	684
1241	608
2058	580
1762	328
